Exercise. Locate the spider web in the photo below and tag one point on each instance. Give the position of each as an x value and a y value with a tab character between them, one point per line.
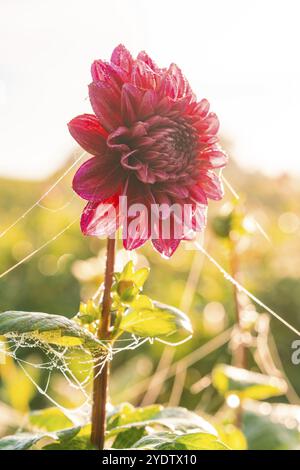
52	360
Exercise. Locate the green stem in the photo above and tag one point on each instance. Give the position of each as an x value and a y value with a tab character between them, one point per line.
100	384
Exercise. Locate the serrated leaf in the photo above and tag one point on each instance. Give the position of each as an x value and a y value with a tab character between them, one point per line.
52	329
246	384
162	322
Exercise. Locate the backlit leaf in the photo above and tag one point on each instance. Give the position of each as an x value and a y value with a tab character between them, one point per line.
161	321
47	328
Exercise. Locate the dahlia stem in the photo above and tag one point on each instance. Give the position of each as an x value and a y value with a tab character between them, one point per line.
100	384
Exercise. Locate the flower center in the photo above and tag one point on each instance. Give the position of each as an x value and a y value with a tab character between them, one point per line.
171	156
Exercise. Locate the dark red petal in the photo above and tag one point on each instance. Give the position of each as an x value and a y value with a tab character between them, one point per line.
147	104
130	100
105	101
136	230
176	191
97	179
145	174
198	194
170	227
165	247
101	218
88	132
122	58
117	139
211	185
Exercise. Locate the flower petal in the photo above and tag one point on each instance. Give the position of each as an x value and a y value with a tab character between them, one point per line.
116	140
211	185
137	226
101	219
198	194
213	124
165	247
105	101
213	158
143	76
168	229
202	108
102	71
97	179
88	132
145	58
135	232
174	84
122	58
199	218
147	104
182	87
130	100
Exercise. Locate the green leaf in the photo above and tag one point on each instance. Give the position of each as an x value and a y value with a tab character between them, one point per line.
161	321
26	440
174	419
21	441
128	438
246	384
80	441
50	419
127	414
232	436
185	429
140	277
171	441
128	271
47	328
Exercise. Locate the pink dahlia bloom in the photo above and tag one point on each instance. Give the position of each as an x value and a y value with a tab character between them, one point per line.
151	141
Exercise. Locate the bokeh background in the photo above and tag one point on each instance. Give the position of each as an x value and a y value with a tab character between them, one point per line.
239	55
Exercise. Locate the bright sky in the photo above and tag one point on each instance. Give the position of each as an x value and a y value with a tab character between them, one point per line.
241	55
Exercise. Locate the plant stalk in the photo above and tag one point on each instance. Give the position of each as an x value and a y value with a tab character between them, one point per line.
100	383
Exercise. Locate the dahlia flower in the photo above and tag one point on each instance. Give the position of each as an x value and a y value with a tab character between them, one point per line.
153	143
